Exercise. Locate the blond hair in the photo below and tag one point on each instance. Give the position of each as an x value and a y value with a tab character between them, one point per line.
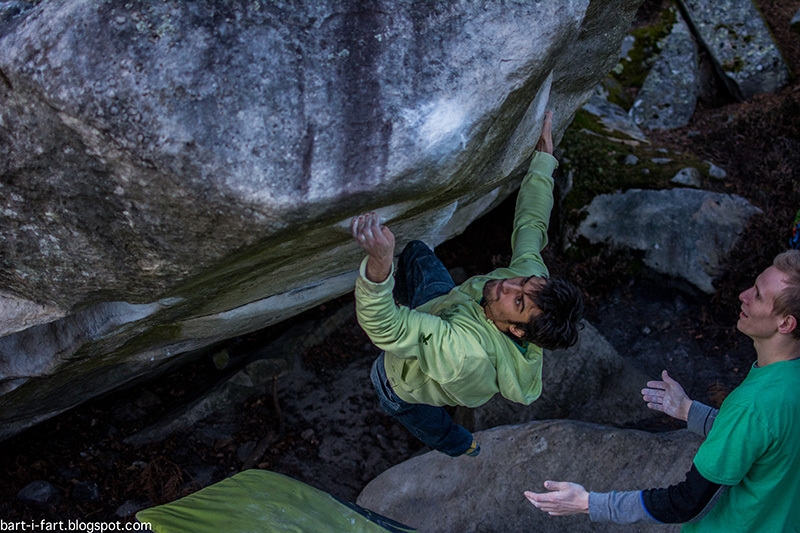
787	302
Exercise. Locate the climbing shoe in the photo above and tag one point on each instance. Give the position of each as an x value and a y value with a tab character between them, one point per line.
474	449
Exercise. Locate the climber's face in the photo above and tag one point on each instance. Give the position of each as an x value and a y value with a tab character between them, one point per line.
509	302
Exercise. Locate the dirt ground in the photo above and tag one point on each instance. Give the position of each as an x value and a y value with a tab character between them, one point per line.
322	422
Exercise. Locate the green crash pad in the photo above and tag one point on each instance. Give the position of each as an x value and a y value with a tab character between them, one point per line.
264	502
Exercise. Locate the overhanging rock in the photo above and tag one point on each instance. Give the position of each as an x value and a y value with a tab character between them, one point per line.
190	167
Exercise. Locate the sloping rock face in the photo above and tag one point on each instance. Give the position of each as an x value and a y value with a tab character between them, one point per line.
436	493
174	174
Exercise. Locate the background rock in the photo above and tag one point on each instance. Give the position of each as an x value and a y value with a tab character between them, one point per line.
186	175
684	233
716	172
690	177
438	494
589	381
613	117
736	36
85	492
41	493
669	94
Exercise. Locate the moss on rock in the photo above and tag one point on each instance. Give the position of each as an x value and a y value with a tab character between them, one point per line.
602	162
632	70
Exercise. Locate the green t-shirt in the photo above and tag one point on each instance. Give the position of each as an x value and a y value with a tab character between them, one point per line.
754	448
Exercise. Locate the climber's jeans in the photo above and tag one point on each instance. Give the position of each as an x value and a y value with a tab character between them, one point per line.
420	277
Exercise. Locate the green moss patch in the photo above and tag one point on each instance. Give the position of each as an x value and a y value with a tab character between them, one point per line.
603	162
632	70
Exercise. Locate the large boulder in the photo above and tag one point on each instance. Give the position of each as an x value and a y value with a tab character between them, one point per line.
176	173
436	493
683	233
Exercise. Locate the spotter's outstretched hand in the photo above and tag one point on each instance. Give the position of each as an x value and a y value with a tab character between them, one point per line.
563	498
668	397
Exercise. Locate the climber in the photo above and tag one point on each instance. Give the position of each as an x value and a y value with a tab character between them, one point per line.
744	475
448	346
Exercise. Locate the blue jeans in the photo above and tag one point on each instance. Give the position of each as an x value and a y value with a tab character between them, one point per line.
420	277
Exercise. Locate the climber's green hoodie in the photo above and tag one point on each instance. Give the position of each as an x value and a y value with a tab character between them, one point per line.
446	352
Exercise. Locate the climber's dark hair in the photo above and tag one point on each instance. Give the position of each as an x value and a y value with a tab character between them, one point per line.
557	326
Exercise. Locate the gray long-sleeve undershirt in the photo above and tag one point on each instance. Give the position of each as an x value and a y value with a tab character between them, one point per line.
701	418
627	507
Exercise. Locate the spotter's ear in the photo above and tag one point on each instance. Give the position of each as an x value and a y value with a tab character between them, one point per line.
787	325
